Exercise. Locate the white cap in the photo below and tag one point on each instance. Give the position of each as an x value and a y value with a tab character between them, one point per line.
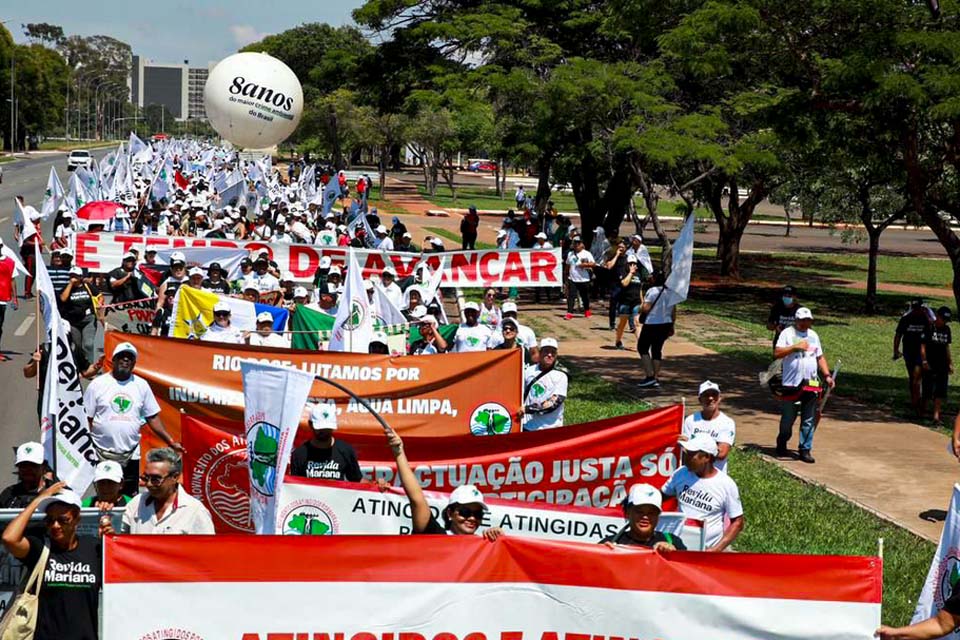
389	270
471	306
437	242
124	347
368	285
467	494
323	415
177	256
707	385
407	235
335	270
549	342
66	252
76	271
264	316
281	219
129	255
66	496
221	306
300	292
541	236
509	307
700	442
428	319
501	233
381	229
644	494
419	311
325	262
108	470
30	452
195	271
631	258
803	313
330	226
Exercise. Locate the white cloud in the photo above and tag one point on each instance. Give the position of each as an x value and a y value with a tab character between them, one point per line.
244	34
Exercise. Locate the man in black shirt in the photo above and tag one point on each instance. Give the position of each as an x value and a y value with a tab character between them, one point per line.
910	331
214	281
642	512
324	457
783	312
937	362
31	482
124	282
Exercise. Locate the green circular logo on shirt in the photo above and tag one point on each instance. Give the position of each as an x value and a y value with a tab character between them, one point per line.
121	403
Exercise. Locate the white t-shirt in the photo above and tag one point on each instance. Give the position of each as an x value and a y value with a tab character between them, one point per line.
799	365
552	384
262	232
722	429
273	340
526	338
326	238
708	499
386	244
228	335
659	313
394	294
578	273
118	409
490	317
475	338
265	283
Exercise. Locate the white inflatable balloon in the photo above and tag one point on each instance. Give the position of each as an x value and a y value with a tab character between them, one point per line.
253	100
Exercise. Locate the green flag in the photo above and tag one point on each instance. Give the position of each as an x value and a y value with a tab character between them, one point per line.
447	331
316	323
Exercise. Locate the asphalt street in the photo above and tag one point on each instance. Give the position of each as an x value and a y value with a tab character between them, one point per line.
28	178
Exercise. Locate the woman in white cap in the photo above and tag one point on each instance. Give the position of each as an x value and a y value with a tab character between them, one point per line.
70	592
642	510
222	330
544	390
465	509
108	482
265	336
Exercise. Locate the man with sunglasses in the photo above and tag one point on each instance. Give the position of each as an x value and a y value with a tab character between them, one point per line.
222	330
465	509
117	403
166	508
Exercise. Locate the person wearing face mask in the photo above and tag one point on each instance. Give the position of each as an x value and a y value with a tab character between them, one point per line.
117	403
712	421
783	312
465	509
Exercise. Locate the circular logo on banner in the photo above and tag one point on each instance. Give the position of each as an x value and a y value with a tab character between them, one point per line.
357	314
226	487
308	518
263	467
171	634
491	419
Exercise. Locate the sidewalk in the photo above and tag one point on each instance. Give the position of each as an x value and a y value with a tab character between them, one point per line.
900	471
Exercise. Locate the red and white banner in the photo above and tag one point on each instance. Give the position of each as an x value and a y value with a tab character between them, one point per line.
101	252
586	465
321	507
465	588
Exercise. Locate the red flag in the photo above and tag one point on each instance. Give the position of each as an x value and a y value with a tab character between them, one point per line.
182	182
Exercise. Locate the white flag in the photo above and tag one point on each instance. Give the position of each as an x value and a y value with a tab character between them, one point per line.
53	195
944	574
678	282
23	220
385	312
353	325
77	195
64	429
274	398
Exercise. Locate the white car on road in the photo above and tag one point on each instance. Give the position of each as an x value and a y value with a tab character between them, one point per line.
79	158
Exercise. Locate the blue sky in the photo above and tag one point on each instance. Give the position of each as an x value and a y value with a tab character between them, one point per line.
172	31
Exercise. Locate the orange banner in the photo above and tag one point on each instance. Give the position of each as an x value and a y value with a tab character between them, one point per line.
438	395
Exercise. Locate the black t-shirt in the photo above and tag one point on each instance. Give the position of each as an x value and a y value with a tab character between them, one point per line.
631	294
172	285
80	303
161	321
433	528
912	327
217	287
16	496
783	315
937	342
130	290
952	605
623	537
339	462
70	592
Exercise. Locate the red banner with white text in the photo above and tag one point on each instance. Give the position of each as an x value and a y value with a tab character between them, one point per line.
465	588
588	465
101	252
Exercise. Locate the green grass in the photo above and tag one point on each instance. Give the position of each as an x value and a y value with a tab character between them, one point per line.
786	515
455	237
7	159
63	145
486	198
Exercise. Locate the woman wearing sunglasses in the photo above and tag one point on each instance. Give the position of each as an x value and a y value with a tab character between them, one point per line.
463	514
69	595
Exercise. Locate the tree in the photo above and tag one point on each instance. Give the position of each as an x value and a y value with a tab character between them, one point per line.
43	33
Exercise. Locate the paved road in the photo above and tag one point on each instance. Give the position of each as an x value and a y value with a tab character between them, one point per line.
17	394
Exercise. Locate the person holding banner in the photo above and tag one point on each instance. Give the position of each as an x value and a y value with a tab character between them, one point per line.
642	511
117	403
69	596
939	626
265	336
222	330
463	514
544	390
108	481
